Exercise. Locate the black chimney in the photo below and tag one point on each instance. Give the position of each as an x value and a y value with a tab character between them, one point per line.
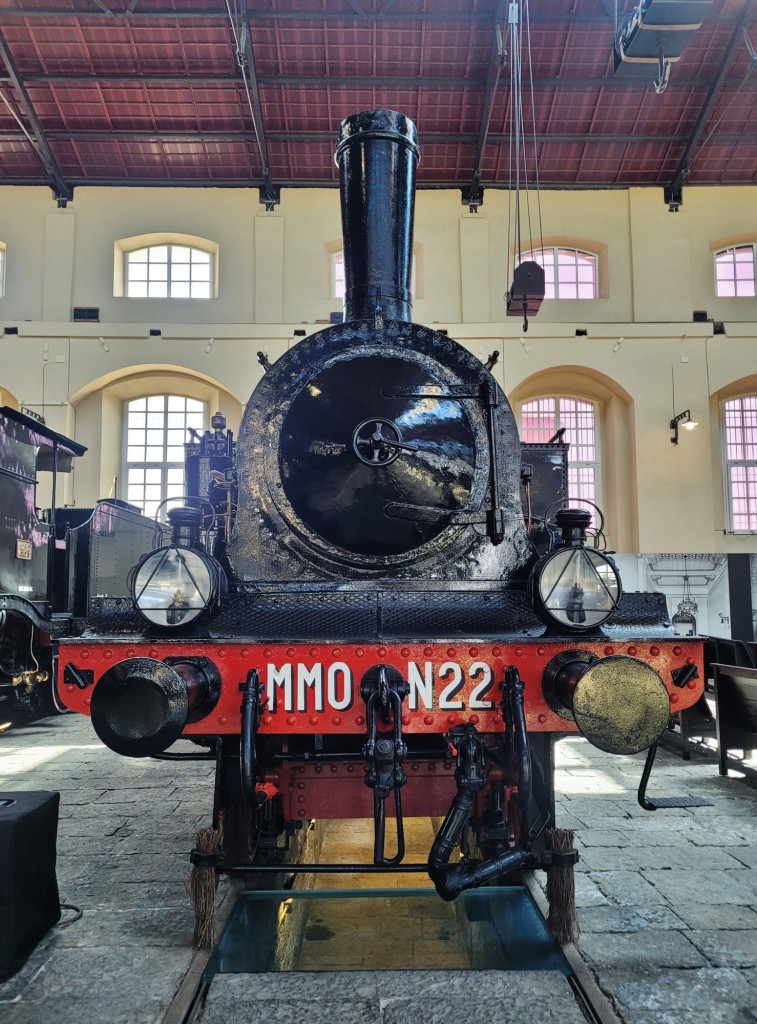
377	155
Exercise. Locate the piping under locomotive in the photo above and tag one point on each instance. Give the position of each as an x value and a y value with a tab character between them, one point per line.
354	613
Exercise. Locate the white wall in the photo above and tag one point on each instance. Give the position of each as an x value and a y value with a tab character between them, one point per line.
274	278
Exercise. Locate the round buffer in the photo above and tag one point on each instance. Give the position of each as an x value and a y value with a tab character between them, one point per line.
621	705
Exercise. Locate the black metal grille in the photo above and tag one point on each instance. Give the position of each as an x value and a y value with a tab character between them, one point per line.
114	616
455	614
355	616
303	615
639	610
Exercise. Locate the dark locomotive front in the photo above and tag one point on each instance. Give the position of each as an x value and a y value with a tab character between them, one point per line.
381	629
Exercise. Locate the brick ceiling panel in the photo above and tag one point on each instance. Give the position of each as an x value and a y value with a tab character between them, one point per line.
736	112
19	160
311	162
285	50
56	48
435	157
561	161
434	108
95	159
144	160
455	51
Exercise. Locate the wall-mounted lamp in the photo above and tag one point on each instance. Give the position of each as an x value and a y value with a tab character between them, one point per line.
684	418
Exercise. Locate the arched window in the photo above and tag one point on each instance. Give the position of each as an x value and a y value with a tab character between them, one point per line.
740	441
735	271
540	420
568	273
165	265
168	272
156	428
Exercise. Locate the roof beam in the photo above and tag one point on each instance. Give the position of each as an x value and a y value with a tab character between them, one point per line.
350	81
327	138
673	193
61	190
272	14
386	81
246	60
220	13
425	185
472	196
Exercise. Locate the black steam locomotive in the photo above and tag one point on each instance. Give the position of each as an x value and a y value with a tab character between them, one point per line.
53	562
377	600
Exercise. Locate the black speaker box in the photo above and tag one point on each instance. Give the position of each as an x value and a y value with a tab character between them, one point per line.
29	900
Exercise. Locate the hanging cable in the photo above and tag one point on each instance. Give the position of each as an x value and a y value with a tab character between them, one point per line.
527	291
533	128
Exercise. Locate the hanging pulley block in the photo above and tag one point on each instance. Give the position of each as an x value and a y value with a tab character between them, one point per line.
656	30
527	291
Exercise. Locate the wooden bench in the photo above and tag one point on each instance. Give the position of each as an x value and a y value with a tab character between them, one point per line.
735	711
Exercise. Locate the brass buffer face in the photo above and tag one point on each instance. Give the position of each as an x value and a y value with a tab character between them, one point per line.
620	704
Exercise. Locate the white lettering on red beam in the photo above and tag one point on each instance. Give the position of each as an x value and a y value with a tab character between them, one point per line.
295	686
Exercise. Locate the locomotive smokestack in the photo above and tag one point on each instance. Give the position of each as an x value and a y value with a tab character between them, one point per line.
377	155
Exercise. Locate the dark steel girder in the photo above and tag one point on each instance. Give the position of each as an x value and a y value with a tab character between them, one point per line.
220	13
472	196
62	191
137	78
349	81
121	181
327	138
270	14
673	193
269	194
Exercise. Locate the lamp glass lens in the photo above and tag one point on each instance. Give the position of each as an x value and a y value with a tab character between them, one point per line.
579	587
172	587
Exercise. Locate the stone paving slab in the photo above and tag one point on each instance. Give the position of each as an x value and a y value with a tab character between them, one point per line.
123	961
637	950
391	997
630	919
705	996
668	899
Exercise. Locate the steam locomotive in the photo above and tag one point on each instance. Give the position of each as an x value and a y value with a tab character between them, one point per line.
376	602
53	561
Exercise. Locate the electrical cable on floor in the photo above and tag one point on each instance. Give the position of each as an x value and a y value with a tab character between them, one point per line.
78	913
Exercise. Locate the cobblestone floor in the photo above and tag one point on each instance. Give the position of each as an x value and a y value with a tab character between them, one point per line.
667	899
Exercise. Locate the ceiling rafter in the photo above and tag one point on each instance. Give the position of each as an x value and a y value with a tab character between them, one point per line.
673	193
327	138
348	81
36	135
246	61
598	18
472	196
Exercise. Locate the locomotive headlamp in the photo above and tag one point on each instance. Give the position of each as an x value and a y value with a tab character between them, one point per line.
179	584
574	587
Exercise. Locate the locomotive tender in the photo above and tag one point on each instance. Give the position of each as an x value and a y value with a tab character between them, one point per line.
366	606
51	560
